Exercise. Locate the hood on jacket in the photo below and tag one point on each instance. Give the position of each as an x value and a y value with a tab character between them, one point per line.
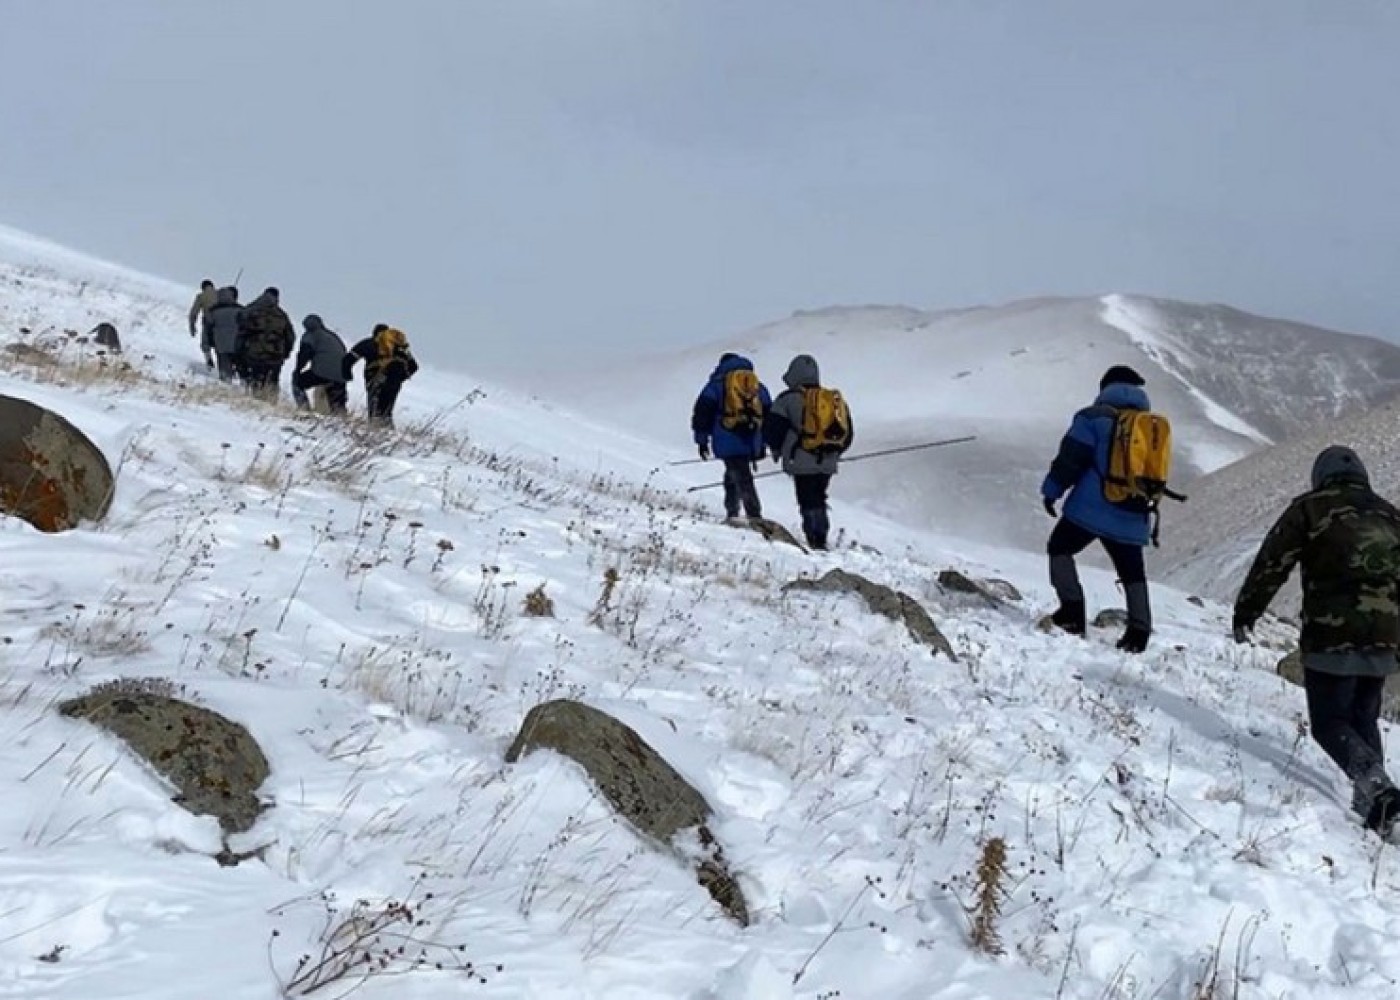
1120	375
1121	396
1339	464
226	296
312	322
731	363
802	371
263	301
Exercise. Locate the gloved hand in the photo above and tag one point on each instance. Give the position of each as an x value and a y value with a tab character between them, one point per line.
704	450
1049	506
1241	630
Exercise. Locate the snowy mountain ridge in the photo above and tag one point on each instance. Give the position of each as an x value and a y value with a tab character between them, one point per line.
358	603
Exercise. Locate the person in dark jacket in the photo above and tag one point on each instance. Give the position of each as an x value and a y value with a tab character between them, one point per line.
265	342
320	364
811	472
1123	529
1347	541
389	363
739	446
221	332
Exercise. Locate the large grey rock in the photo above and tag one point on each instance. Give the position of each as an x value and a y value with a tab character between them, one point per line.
648	792
214	764
1111	618
51	474
893	604
1290	668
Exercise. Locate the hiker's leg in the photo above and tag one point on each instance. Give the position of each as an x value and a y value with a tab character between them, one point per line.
388	396
820	512
731	485
1366	713
1132	573
227	368
808	496
1067	540
301	381
748	492
337	399
1331	706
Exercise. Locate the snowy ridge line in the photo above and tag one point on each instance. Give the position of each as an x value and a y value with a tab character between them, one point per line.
1118	312
358	603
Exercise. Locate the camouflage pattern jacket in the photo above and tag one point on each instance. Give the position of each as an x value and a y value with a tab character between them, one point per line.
265	334
1347	540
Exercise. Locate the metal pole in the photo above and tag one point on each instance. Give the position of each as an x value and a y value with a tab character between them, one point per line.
857	458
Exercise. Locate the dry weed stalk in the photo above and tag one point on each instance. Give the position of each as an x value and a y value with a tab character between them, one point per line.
988	893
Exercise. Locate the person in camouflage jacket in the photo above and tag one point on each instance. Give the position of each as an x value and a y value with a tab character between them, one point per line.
1346	540
265	341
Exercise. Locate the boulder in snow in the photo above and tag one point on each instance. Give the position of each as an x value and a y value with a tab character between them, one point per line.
647	791
214	764
769	529
51	474
994	592
893	604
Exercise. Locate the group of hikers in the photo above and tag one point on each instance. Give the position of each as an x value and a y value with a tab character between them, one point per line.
807	428
1111	471
252	343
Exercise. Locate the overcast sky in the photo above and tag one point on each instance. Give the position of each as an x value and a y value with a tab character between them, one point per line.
530	183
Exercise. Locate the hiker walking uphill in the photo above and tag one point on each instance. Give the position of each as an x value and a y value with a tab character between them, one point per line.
265	342
1347	541
808	428
204	300
221	332
728	420
389	363
1113	464
320	365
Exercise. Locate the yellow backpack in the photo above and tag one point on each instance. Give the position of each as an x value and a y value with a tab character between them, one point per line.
1139	459
826	421
742	411
389	342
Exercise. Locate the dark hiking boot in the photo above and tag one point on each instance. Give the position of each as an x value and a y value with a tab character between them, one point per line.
1384	811
1134	639
1069	617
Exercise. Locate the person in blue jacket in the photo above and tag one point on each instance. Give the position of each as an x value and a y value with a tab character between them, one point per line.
739	447
1123	529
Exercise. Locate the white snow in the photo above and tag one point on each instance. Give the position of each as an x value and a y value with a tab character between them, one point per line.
358	607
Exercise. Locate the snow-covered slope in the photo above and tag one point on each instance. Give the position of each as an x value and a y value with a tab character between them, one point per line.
1013	375
358	605
1214	537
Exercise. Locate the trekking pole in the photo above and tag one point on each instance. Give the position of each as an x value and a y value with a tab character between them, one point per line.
689	461
237	277
910	447
857	458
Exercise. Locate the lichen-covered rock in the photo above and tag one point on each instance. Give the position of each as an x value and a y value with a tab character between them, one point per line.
1290	668
637	782
51	474
893	604
214	764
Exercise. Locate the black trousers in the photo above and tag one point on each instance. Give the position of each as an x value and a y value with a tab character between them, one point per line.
1068	540
262	378
1343	712
381	393
228	365
739	488
336	396
811	501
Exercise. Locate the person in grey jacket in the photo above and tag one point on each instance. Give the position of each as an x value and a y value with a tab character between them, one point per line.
221	332
320	362
811	472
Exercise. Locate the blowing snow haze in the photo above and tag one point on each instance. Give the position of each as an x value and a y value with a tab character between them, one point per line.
553	183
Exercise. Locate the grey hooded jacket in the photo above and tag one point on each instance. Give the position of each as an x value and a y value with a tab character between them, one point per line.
783	428
221	325
322	349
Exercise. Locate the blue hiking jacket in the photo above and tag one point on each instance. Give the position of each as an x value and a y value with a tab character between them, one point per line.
709	406
1082	463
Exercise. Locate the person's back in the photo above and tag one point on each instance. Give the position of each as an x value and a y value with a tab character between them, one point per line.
728	416
204	300
267	333
811	468
221	331
389	363
1345	540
